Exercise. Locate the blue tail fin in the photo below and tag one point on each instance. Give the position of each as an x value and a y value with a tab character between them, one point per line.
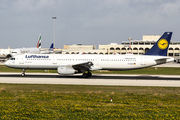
160	48
51	47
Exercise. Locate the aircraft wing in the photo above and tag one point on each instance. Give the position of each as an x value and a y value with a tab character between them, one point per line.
81	67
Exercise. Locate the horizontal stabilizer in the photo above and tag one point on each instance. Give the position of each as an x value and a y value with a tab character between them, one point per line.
160	61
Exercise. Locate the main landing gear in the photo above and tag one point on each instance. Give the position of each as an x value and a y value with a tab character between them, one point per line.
86	75
23	73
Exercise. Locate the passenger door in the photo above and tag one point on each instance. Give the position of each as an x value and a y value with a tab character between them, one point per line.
21	60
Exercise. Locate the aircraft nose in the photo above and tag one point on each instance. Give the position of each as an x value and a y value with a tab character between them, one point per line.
6	63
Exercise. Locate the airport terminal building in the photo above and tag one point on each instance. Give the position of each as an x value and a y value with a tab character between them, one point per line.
137	47
132	46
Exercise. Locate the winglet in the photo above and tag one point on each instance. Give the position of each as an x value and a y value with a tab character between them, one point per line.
39	42
160	48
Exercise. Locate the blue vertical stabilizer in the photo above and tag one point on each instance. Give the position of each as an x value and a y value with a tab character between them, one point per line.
51	47
160	48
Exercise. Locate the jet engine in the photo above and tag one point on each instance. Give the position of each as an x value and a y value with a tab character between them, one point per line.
65	70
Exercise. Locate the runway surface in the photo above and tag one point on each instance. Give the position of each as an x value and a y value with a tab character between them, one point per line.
96	79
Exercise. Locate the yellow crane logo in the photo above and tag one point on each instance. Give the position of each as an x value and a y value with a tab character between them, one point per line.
162	44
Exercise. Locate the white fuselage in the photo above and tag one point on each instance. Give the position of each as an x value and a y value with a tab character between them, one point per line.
104	62
19	51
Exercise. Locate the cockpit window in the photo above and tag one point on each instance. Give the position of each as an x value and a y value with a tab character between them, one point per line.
12	58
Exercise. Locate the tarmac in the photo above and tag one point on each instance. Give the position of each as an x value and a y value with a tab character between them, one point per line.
96	79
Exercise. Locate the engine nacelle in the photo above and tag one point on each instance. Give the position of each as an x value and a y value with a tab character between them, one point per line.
65	70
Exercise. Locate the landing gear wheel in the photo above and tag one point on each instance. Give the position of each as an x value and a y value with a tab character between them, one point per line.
23	73
84	75
89	74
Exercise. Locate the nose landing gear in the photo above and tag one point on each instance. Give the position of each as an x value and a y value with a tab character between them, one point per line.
23	73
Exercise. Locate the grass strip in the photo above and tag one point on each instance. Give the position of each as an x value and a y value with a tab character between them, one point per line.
22	101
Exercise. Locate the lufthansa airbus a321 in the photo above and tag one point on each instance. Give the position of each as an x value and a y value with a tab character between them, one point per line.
84	63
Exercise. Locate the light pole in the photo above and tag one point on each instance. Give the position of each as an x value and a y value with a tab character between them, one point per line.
130	50
54	18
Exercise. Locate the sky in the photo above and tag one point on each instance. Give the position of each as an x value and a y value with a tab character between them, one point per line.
87	22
